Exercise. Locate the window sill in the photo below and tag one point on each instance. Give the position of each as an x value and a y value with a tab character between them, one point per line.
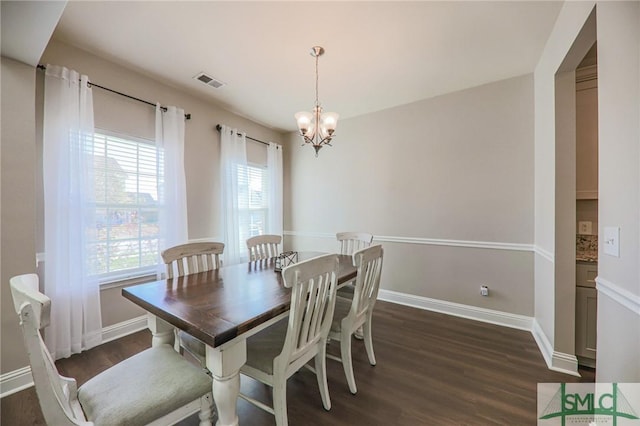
128	282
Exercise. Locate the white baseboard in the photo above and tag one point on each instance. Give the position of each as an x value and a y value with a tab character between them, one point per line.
564	363
20	379
15	381
505	319
124	328
587	362
543	342
556	361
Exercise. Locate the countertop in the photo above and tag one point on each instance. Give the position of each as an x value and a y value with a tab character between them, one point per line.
587	248
590	256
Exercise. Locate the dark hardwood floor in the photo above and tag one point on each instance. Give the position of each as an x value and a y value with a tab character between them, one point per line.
432	369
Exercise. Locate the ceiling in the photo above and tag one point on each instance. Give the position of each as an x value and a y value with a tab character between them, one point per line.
26	28
378	54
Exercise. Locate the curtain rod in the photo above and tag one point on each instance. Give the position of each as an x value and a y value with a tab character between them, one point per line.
219	127
186	116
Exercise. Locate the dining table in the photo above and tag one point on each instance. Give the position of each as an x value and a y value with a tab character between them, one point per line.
222	308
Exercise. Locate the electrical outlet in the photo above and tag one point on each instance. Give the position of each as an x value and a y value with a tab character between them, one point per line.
585	227
484	290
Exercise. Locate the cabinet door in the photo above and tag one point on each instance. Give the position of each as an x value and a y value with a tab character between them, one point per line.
586	321
586	274
586	142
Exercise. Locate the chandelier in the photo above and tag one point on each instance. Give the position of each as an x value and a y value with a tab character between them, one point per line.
317	127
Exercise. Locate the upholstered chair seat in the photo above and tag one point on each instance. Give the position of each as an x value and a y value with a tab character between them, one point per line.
147	386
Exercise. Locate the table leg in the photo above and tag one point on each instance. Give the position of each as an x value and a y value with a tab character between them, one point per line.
224	364
162	331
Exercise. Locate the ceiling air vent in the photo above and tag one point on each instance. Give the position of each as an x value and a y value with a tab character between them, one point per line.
209	81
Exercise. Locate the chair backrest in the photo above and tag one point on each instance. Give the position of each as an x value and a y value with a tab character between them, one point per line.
351	242
57	394
191	258
368	262
313	286
263	247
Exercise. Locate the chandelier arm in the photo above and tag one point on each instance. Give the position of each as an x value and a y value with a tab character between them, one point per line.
325	141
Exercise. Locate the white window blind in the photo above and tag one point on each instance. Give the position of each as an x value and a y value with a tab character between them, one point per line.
125	241
252	202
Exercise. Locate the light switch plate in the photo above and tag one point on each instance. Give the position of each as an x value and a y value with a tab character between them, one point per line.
612	241
585	227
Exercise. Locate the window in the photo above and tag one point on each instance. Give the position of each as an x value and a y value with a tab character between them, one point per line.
252	202
125	241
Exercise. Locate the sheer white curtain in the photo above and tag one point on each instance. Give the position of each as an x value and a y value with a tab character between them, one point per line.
274	167
172	188
68	213
233	161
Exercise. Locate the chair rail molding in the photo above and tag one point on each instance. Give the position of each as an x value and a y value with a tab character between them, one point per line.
620	295
545	254
494	245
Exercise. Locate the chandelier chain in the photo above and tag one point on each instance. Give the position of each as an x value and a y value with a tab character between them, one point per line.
317	103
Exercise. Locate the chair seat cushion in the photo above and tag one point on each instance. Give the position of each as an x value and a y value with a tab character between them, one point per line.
264	346
192	344
347	291
142	388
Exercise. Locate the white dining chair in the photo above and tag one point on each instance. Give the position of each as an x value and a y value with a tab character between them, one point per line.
277	352
263	247
157	386
186	259
351	242
351	314
190	258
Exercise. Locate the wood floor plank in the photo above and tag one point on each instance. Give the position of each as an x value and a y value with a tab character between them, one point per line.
432	369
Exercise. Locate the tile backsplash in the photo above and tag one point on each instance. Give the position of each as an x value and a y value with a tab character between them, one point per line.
586	243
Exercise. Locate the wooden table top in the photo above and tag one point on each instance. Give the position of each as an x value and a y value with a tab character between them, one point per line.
216	306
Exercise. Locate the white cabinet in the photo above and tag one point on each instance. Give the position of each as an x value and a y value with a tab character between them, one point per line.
586	324
586	274
586	313
586	134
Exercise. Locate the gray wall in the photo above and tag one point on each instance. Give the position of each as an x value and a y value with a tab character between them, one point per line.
17	211
619	186
21	173
618	37
555	185
456	168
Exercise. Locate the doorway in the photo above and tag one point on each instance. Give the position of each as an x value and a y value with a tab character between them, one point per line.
565	197
586	208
